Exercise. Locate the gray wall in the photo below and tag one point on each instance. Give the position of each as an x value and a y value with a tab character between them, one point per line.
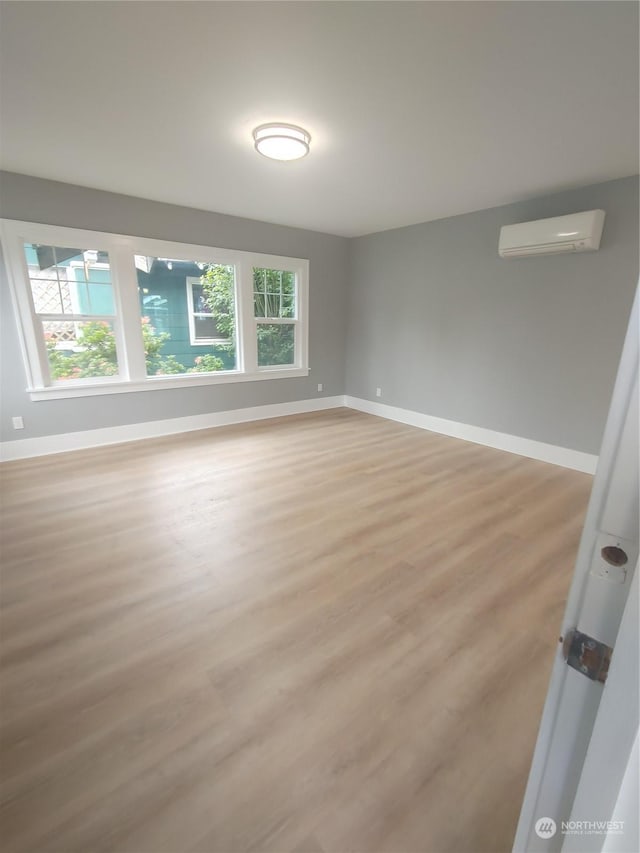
528	347
35	200
436	319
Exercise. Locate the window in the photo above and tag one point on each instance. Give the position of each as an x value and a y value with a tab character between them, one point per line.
121	313
188	315
274	306
205	324
74	311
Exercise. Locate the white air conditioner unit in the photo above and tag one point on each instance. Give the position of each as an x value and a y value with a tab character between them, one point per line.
578	232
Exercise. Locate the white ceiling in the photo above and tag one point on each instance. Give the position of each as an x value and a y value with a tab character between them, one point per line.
417	110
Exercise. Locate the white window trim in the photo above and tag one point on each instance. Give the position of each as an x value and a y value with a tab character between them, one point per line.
283	321
198	342
131	361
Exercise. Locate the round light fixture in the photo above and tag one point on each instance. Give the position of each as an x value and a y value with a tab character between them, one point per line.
281	141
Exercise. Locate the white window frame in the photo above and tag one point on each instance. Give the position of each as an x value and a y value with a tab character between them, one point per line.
131	360
284	321
198	342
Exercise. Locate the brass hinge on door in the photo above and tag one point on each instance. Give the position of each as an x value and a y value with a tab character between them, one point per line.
588	656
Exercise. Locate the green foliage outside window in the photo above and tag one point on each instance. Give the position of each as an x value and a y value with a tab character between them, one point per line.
274	294
217	286
97	358
96	354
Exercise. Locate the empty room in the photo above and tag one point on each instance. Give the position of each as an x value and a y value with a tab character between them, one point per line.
319	427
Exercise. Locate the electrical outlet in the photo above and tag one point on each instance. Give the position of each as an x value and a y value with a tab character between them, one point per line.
378	392
320	386
17	422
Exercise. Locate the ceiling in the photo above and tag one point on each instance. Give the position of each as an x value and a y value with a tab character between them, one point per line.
417	110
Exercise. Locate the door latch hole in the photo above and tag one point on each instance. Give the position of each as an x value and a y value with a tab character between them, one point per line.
614	555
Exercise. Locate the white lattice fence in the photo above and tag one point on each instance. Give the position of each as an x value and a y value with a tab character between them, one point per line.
52	295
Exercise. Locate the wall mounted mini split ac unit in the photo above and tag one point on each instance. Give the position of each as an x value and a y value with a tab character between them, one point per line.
578	232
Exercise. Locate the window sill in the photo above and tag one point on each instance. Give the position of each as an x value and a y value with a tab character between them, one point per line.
155	383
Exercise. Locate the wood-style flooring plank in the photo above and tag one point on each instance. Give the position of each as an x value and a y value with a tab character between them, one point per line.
316	634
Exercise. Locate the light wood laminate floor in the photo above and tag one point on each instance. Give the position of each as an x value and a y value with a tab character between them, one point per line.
320	634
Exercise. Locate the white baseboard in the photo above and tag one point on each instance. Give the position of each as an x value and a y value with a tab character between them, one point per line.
28	447
563	456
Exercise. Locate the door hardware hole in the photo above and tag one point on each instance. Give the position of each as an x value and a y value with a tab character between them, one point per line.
614	556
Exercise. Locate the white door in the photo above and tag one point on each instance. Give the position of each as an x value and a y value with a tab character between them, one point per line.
603	577
604	815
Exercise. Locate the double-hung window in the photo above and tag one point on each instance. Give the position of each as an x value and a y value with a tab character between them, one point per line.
203	319
74	316
104	313
275	306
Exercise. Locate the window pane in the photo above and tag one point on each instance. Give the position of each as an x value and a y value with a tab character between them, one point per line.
275	344
259	304
204	328
80	350
200	302
187	310
273	293
69	281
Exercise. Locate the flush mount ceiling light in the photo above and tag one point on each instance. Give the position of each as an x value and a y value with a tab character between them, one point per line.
281	141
